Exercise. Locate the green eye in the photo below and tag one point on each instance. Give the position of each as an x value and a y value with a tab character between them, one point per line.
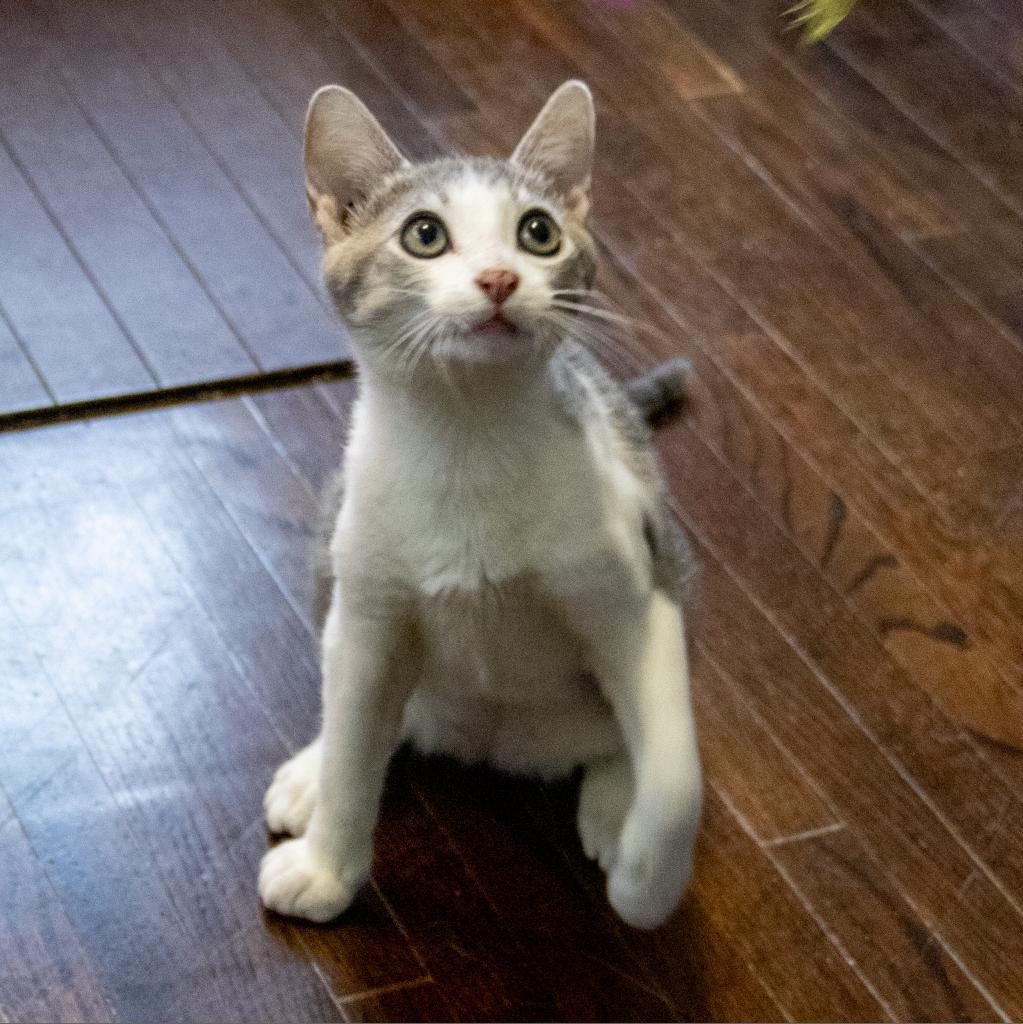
425	236
539	234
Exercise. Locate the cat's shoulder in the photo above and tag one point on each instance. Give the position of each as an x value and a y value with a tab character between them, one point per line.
588	394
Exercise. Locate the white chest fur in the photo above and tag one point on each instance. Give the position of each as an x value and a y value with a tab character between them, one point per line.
464	498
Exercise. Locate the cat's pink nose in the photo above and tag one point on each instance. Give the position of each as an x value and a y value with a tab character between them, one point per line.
498	284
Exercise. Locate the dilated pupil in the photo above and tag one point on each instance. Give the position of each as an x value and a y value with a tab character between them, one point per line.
540	230
427	232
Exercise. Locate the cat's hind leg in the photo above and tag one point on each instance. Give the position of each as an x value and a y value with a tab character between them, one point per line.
290	799
605	796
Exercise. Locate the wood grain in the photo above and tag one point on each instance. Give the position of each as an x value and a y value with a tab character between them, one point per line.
831	236
136	265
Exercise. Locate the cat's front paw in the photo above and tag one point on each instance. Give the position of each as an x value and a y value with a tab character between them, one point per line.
651	870
294	882
291	797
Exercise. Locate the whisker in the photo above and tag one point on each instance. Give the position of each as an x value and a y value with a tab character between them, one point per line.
601	344
619	319
623	344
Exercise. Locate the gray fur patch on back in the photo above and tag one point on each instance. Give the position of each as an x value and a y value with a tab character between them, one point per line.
588	391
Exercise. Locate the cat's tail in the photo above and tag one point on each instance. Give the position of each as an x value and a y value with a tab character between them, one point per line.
662	393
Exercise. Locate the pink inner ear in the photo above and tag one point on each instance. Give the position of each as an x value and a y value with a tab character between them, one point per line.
577	202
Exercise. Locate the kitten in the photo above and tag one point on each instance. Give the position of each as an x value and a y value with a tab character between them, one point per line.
506	577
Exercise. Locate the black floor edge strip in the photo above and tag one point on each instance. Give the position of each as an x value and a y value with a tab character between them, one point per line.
342	369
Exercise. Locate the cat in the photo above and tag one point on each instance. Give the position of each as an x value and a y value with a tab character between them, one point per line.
504	577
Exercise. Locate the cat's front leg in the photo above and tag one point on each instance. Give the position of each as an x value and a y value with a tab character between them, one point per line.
368	673
637	647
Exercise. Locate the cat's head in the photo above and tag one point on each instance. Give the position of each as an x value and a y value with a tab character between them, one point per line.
461	259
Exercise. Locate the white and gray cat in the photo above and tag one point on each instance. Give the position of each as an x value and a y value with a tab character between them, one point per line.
505	574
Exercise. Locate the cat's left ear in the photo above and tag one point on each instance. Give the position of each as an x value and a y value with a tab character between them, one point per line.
559	144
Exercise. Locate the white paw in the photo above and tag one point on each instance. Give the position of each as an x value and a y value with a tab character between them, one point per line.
651	872
290	799
293	882
604	799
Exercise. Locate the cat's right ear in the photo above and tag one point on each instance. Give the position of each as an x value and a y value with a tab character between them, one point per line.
559	144
346	155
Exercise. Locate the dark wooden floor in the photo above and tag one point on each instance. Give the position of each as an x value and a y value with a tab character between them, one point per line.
832	235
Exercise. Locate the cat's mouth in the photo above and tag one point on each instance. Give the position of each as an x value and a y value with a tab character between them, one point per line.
496	324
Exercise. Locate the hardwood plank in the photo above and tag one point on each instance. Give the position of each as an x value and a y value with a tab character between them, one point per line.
22	387
852	660
704	971
150	286
373	29
817	172
984	259
823	732
813	980
268	303
779	799
690	70
97	869
417	1001
990	32
788	123
481	971
951	317
965	108
953	567
87	851
201	537
188	813
985	219
34	985
67	329
260	495
758	40
290	50
486	819
236	122
308	427
913	971
974	207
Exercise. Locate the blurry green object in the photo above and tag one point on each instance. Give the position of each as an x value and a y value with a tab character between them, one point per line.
817	18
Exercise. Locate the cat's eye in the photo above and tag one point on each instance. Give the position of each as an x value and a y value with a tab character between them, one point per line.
425	236
539	234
